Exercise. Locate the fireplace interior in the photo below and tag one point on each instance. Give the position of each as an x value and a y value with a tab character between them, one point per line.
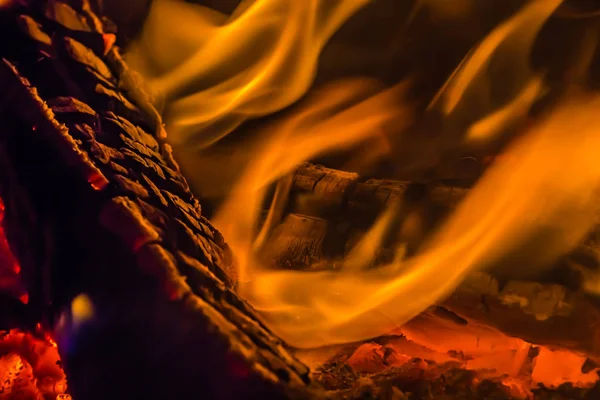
317	199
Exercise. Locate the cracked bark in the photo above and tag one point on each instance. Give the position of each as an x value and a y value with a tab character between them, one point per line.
95	204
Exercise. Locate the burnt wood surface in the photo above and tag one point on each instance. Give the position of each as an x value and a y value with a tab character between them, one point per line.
96	204
329	210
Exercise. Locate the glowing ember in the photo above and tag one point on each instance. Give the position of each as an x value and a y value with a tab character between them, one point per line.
485	349
429	346
30	367
10	281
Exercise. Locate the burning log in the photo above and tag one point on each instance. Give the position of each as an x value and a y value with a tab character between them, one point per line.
116	255
329	210
117	258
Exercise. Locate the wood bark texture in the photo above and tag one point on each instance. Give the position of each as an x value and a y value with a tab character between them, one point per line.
96	205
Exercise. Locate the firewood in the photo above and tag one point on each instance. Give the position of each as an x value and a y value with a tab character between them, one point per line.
96	205
330	210
349	204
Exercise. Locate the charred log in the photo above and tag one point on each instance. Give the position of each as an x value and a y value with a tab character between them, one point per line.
96	205
330	210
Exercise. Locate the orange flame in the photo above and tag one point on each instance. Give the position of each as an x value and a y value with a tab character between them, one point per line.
511	41
545	185
258	61
538	199
465	99
312	130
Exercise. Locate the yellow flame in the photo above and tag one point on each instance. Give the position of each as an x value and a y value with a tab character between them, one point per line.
499	120
546	184
515	110
219	71
506	49
308	132
366	249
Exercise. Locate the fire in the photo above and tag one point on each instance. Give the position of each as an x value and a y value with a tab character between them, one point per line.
521	197
485	349
535	202
30	367
10	270
305	134
218	71
511	41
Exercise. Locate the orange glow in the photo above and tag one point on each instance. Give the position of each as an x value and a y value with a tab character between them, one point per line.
50	340
490	354
545	182
483	347
523	194
224	70
47	336
10	281
511	41
309	131
39	360
535	202
82	309
487	349
465	100
553	368
515	110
